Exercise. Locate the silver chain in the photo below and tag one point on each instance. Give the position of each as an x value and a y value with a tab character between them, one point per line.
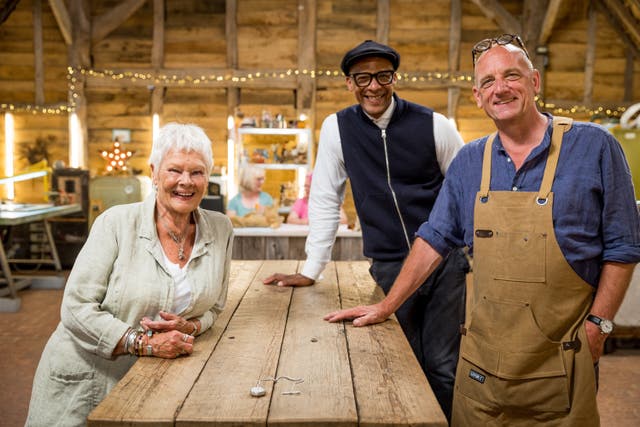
177	238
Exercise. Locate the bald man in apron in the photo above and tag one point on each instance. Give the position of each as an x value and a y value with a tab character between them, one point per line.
547	208
522	358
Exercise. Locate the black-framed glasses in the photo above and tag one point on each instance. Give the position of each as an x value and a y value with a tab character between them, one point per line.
384	77
486	44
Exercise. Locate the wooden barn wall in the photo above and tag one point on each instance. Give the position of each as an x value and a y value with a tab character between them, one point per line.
267	39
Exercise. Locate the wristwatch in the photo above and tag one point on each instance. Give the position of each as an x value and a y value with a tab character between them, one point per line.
605	325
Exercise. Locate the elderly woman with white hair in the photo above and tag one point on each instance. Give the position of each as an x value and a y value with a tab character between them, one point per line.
151	277
250	198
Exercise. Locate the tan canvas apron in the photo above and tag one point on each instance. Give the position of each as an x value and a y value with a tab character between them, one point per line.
524	357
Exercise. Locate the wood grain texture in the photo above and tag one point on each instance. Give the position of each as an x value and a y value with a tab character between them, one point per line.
268	37
157	388
351	376
248	351
389	383
62	17
315	351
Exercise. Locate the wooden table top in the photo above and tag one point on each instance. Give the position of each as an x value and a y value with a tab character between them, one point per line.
351	376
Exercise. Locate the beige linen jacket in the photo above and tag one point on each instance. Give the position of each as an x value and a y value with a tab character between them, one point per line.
119	277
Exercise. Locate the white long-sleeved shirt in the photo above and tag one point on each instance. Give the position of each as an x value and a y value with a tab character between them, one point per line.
329	182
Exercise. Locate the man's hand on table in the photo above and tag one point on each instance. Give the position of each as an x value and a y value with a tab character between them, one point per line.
362	315
288	280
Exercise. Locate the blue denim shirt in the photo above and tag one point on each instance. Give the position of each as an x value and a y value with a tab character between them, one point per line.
594	213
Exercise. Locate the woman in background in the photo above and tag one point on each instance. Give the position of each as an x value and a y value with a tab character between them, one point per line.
250	198
299	213
151	277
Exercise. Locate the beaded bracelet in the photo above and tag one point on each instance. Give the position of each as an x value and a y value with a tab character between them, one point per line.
138	345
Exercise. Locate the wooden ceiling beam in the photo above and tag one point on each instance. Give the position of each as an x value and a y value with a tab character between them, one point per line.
493	10
7	9
635	6
61	14
617	26
107	22
550	17
533	14
623	15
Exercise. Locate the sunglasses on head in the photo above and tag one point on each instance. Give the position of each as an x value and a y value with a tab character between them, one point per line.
486	44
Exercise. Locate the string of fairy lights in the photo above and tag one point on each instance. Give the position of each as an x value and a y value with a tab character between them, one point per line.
405	79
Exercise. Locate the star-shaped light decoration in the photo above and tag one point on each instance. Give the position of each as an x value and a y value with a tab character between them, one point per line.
116	158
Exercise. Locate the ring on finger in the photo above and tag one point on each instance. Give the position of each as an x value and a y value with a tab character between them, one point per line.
185	337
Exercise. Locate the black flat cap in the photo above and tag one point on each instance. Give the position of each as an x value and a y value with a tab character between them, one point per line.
369	48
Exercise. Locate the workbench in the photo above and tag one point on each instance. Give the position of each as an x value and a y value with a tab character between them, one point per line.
341	375
16	214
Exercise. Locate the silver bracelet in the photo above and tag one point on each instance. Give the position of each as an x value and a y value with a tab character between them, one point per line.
195	328
126	340
129	341
149	347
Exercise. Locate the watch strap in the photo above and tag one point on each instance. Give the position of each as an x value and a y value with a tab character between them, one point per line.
594	319
606	326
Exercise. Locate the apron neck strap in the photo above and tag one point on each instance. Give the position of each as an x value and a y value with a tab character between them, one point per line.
560	126
486	167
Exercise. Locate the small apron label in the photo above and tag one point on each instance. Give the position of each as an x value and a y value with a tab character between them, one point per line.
476	376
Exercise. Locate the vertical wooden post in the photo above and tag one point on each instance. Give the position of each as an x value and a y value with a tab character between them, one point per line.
157	54
38	63
382	28
231	33
306	88
455	33
79	57
590	56
537	15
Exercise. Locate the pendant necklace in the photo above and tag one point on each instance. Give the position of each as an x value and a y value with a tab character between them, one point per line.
177	238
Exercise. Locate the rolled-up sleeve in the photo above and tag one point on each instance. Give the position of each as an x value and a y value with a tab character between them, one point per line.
442	230
450	224
620	220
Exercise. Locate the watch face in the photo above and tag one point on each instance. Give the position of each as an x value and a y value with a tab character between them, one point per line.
606	326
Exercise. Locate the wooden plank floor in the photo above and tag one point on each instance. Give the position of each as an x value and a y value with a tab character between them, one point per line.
24	334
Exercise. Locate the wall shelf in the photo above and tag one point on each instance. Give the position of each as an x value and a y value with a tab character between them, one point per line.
285	153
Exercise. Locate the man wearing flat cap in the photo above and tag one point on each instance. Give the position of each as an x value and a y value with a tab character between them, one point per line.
395	154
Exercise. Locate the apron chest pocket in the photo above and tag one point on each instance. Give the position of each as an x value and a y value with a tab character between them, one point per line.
523	256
